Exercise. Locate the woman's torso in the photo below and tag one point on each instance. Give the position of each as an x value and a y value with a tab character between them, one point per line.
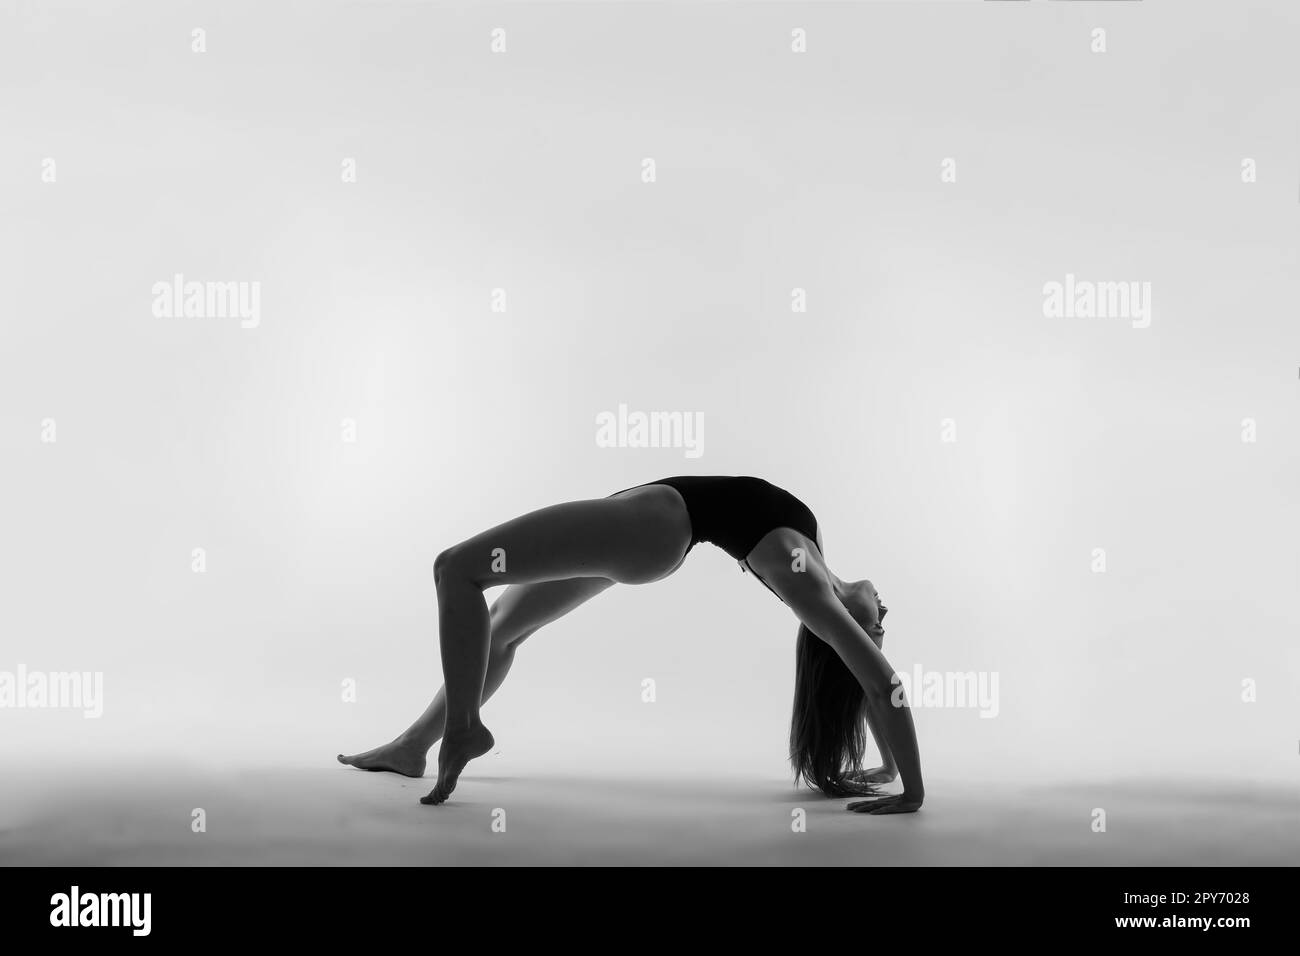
735	513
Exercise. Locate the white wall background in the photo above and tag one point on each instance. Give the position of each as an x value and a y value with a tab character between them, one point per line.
775	171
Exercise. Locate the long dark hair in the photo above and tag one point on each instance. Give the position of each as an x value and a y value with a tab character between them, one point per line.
828	723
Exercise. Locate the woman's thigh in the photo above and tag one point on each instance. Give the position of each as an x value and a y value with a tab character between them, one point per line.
523	609
632	539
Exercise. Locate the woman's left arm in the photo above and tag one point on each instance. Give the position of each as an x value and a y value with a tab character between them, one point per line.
815	604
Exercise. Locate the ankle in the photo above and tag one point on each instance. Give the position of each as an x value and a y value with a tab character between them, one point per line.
459	728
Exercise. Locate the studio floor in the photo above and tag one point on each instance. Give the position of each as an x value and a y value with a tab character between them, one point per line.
333	815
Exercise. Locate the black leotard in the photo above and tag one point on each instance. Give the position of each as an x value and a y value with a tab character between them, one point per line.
735	513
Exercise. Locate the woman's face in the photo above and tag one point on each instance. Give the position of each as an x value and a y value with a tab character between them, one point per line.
865	607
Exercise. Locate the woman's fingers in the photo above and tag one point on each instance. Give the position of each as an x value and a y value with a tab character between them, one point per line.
860	787
865	806
894	803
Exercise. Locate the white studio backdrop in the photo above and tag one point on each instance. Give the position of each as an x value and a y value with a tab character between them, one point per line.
461	263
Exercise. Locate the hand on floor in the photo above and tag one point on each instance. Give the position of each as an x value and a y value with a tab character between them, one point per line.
894	803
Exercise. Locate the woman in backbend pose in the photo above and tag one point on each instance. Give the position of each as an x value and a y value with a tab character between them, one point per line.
559	557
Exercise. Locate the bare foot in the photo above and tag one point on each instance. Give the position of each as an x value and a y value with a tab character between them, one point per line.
458	748
395	757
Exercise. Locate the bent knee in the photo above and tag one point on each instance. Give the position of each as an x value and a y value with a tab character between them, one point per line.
440	566
451	565
507	642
